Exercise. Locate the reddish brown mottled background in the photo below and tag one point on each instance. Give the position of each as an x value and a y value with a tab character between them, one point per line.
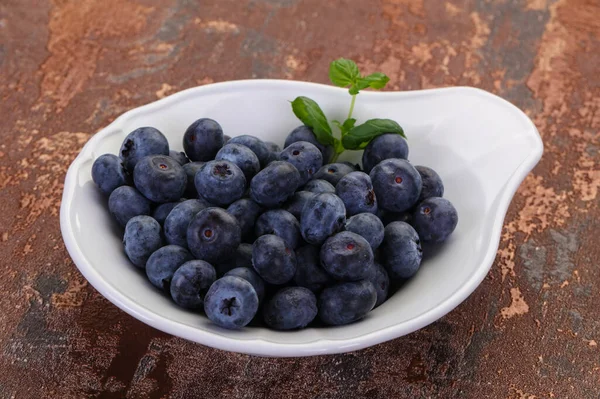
69	67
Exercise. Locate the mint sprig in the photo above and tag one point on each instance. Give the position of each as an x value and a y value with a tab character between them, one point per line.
345	73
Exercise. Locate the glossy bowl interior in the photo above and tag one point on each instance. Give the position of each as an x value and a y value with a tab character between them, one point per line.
481	145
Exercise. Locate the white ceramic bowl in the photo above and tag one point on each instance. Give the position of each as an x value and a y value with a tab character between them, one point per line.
481	145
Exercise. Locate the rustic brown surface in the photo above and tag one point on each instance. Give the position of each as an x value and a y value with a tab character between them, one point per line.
69	67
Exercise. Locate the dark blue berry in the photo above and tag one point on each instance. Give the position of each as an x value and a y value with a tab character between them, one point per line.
319	186
401	250
306	157
242	156
142	237
309	273
397	185
191	282
354	166
245	211
191	169
161	212
248	274
179	156
126	202
281	223
273	185
368	226
273	260
296	203
333	172
231	302
435	219
256	145
381	282
159	178
290	308
356	190
304	133
203	139
432	183
163	263
226	139
109	173
274	151
386	146
213	235
322	216
347	256
177	222
220	182
141	143
242	258
344	303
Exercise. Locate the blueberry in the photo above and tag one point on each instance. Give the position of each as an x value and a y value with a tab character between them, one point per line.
203	139
163	263
435	219
344	303
281	223
274	151
368	226
347	256
161	212
309	273
242	258
256	145
401	250
290	308
304	133
296	203
356	190
386	146
220	182
245	211
397	185
273	185
242	156
389	217
109	173
159	178
333	172
231	302
141	143
319	186
226	139
432	183
381	282
305	156
179	156
191	169
213	235
273	260
191	282
250	276
354	166
179	219
126	202
142	237
322	216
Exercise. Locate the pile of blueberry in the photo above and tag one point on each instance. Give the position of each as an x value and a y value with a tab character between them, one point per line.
243	230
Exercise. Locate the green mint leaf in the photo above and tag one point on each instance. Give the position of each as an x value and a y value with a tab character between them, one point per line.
359	136
309	112
375	80
343	72
338	124
348	124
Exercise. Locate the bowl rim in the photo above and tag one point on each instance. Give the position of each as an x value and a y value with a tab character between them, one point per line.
261	346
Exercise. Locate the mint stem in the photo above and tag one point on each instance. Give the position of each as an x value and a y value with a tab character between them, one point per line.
352	106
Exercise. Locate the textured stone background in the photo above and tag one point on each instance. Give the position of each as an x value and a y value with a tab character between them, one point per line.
69	67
